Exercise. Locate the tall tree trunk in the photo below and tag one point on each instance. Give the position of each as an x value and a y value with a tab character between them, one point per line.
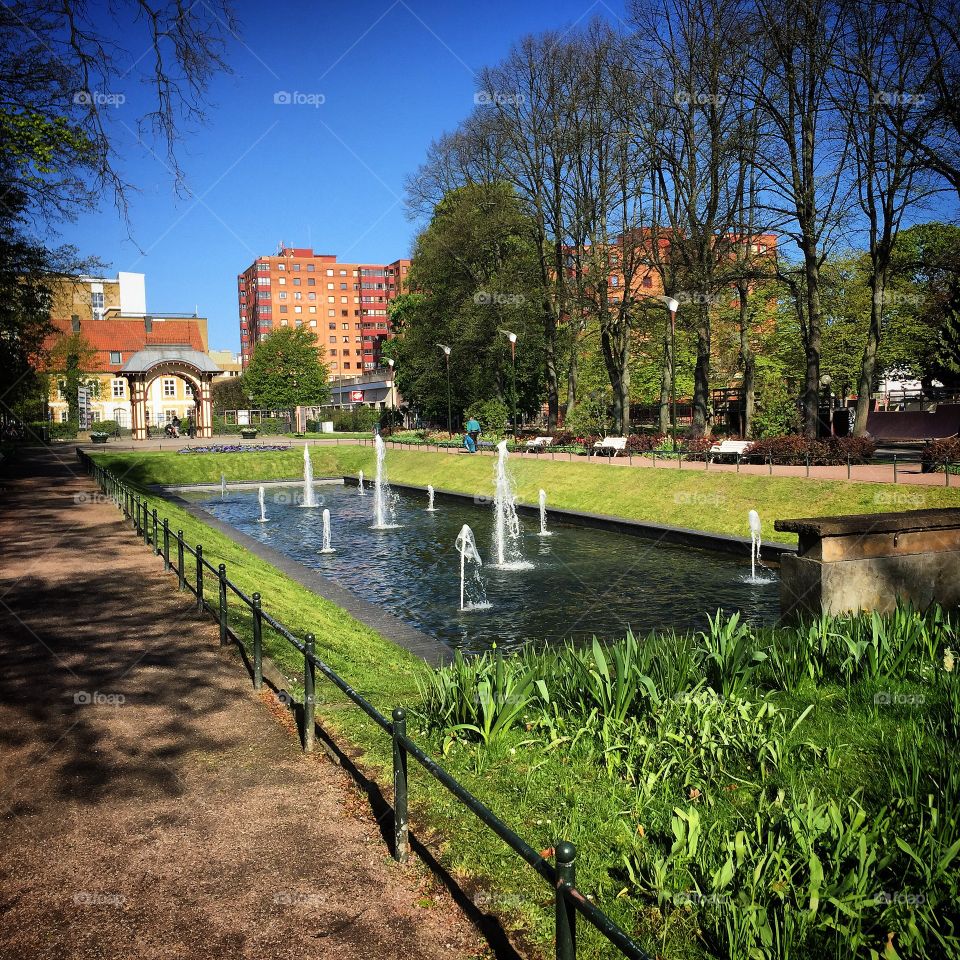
666	379
811	391
614	358
550	363
573	370
701	375
868	365
747	362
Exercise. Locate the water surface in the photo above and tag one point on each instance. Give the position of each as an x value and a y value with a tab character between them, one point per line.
584	582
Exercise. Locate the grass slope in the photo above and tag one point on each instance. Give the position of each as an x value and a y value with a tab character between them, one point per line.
694	498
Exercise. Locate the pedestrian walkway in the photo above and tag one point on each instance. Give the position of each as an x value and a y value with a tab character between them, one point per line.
151	804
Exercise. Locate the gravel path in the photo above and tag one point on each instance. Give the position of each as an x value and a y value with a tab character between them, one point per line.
151	804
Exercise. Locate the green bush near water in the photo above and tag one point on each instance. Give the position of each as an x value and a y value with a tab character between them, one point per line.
786	793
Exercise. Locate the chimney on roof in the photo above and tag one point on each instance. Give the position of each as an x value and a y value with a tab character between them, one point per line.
75	323
148	324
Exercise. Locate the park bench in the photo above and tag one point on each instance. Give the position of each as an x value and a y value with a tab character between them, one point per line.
610	446
538	444
730	448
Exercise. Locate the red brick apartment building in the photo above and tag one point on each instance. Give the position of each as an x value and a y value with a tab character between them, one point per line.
344	304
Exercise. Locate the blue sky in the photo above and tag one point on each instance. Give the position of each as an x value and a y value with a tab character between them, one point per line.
393	75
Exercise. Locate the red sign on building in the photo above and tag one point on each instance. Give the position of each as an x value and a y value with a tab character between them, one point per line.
356	396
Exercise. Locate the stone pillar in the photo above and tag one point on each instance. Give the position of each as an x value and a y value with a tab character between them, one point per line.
867	561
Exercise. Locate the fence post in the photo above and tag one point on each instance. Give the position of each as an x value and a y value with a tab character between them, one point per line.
808	464
848	466
222	574
401	830
200	578
181	575
166	544
946	473
257	643
156	538
309	701
770	462
566	913
894	468
679	460
146	524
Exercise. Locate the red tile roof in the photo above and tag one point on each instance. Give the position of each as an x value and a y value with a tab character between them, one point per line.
129	336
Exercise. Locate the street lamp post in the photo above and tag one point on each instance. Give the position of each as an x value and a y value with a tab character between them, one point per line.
393	387
672	306
512	337
446	353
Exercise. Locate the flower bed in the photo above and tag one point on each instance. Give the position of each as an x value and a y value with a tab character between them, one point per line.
235	448
937	453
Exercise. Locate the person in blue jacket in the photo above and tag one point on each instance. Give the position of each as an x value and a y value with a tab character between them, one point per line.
472	436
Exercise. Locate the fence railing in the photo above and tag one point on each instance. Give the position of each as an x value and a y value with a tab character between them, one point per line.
190	566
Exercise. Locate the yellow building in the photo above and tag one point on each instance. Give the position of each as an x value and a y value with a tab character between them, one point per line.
111	317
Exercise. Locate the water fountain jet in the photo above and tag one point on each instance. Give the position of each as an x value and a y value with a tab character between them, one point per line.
263	505
326	548
467	546
507	533
309	494
755	531
544	532
383	512
363	492
430	507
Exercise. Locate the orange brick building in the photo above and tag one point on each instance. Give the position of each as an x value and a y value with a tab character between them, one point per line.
344	304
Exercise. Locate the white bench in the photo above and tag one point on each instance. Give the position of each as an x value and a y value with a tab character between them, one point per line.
538	444
610	445
730	448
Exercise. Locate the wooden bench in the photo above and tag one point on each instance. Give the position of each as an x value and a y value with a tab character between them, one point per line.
730	448
539	444
610	446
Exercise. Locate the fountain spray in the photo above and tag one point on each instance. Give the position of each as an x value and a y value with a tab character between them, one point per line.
755	530
309	495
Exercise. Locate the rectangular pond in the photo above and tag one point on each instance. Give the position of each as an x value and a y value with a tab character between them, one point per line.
583	581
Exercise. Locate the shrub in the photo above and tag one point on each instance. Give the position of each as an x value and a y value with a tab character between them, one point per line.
358	420
824	451
589	417
493	415
937	452
644	442
697	448
61	431
563	438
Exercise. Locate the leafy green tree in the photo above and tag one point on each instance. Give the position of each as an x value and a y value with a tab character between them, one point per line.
230	394
923	305
475	273
72	360
287	370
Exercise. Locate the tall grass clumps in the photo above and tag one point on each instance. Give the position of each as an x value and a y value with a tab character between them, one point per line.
782	793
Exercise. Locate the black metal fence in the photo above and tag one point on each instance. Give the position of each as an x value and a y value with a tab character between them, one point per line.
190	566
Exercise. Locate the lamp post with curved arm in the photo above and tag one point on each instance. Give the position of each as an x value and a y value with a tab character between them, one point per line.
393	395
673	305
512	337
446	353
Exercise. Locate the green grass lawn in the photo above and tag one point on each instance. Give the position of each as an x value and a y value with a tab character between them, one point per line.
693	498
543	782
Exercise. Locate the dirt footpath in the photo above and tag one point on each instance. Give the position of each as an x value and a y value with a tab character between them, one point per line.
151	805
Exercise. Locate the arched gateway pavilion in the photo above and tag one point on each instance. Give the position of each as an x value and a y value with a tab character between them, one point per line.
196	369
